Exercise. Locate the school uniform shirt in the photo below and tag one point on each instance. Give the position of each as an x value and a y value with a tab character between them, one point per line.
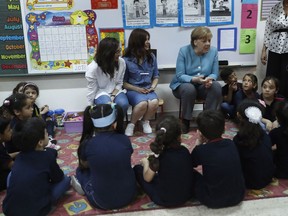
32	176
5	160
190	65
99	83
111	175
12	145
257	163
269	109
225	90
141	75
276	42
172	184
222	183
281	153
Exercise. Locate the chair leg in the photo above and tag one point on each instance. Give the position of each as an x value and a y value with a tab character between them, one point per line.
180	110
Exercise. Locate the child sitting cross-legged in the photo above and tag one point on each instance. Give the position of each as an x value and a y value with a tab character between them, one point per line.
279	137
32	91
228	92
36	181
221	182
167	178
254	146
105	174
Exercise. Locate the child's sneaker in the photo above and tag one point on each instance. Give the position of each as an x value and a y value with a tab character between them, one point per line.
146	127
53	146
51	140
130	129
76	185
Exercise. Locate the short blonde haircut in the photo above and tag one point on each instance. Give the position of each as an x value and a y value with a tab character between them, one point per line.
200	32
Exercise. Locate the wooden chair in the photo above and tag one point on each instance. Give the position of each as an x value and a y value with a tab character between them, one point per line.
197	101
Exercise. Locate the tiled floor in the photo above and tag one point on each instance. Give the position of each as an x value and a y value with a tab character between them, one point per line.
264	207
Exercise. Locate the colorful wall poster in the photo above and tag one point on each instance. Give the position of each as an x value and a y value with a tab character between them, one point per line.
62	41
192	12
104	4
12	45
166	13
136	14
221	12
117	33
49	4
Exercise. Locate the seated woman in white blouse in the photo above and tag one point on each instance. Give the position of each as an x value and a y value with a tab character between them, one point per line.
105	75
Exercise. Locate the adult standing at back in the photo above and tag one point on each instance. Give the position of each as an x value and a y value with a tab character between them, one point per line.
197	70
105	75
140	80
276	41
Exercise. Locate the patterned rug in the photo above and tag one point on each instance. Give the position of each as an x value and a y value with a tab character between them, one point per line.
74	204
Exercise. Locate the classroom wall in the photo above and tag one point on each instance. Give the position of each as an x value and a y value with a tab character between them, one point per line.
69	91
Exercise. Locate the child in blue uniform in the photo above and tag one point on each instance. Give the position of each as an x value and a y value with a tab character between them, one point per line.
221	184
269	97
36	181
6	160
279	137
105	173
20	108
32	91
254	146
248	90
228	91
167	178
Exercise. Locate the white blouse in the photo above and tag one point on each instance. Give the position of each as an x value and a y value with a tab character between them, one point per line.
276	41
99	83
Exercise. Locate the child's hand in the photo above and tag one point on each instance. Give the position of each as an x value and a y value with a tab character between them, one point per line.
233	86
144	161
269	126
44	109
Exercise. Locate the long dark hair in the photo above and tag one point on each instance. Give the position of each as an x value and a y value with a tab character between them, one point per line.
250	134
15	102
136	44
168	132
105	55
100	111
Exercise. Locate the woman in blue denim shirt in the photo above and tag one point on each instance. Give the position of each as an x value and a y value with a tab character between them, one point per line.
140	80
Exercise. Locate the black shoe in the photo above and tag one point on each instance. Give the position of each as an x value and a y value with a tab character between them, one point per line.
185	126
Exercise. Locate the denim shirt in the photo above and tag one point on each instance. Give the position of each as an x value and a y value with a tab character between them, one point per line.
140	75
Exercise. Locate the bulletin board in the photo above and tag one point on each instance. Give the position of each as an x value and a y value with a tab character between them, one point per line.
61	36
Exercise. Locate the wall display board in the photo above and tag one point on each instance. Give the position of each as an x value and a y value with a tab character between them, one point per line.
12	47
62	36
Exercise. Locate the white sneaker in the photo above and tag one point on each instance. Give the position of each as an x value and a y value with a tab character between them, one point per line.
76	185
146	127
130	129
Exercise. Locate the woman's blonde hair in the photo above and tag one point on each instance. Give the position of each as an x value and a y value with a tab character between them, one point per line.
200	32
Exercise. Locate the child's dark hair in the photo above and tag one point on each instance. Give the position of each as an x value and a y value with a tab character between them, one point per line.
28	133
168	131
225	73
250	133
274	79
4	122
15	102
211	123
99	111
254	80
32	86
105	56
281	112
18	87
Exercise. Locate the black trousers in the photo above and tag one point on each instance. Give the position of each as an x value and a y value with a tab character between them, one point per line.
277	66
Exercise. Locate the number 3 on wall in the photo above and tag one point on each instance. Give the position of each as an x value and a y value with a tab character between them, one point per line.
247	41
